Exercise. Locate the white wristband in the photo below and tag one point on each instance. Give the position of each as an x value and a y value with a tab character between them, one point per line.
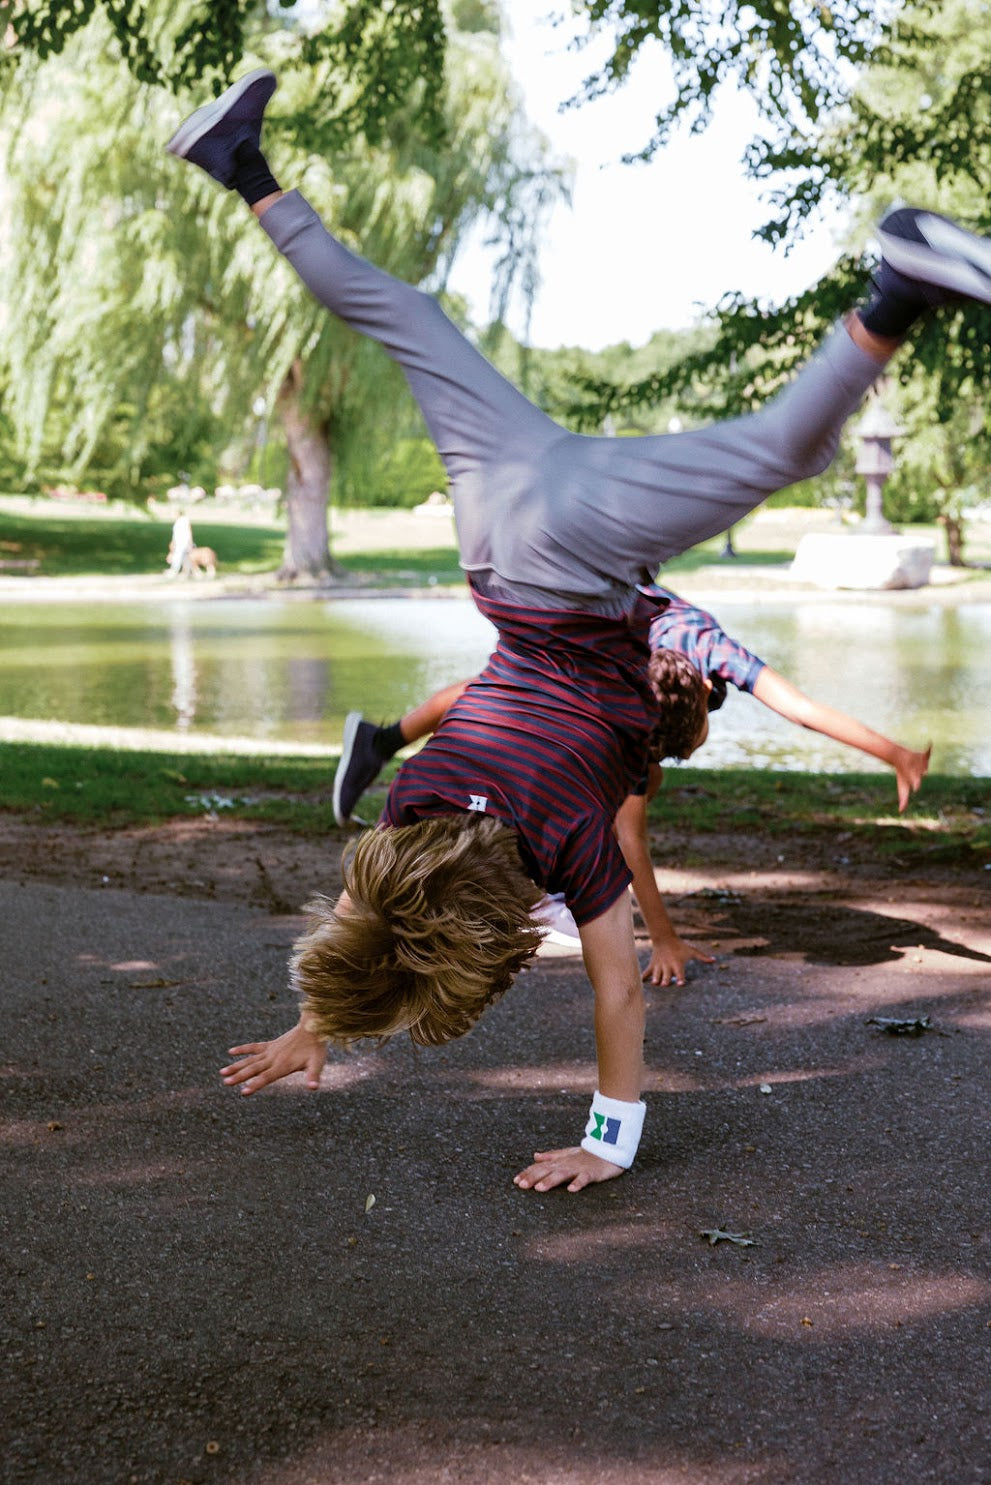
613	1129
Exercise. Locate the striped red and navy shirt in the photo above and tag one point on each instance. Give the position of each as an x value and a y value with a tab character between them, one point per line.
549	739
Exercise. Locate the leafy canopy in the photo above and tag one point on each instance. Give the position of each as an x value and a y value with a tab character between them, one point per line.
385	49
794	58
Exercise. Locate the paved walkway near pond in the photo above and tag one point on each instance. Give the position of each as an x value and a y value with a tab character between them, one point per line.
345	1287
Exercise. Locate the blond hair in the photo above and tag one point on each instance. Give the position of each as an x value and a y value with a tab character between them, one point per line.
436	926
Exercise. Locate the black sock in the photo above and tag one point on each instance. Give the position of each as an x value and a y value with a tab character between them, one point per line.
388	740
894	304
252	177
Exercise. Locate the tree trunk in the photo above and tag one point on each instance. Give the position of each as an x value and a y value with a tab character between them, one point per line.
953	526
306	557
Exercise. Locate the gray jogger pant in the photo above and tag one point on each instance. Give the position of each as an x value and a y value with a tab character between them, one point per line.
562	516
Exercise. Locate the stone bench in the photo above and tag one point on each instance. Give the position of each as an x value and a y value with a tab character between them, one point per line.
852	560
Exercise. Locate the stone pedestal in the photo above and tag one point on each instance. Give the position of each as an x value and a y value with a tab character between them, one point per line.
863	561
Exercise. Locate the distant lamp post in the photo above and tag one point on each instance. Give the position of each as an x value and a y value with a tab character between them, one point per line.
875	461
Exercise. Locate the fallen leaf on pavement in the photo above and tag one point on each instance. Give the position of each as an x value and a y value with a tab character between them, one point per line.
716	1235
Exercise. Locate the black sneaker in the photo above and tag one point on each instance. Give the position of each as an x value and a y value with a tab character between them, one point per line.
211	135
945	261
359	766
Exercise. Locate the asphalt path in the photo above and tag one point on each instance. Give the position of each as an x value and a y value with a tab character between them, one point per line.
305	1289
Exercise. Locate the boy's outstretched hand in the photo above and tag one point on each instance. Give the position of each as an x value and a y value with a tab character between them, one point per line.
910	769
668	959
578	1167
297	1050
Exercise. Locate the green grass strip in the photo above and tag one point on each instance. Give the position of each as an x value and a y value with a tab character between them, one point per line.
110	787
948	821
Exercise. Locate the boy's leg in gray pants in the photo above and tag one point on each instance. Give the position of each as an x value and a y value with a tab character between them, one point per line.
550	510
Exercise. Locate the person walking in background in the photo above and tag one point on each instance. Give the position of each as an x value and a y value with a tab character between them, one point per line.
181	546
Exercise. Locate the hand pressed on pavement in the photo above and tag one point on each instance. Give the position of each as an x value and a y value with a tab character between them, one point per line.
668	960
297	1050
577	1167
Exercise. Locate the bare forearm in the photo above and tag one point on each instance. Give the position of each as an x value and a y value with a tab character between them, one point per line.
619	1032
613	1132
789	702
910	764
631	831
611	964
669	953
656	918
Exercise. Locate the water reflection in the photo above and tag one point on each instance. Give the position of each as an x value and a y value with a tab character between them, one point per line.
918	674
290	670
183	671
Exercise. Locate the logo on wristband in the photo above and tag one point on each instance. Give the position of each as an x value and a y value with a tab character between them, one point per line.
606	1129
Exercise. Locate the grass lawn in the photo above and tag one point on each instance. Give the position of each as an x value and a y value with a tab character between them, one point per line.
111	545
100	786
61	542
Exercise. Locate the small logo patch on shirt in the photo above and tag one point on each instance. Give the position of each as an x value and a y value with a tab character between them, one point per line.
478	802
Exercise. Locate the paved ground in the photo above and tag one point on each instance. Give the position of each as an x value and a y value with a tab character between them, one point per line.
345	1287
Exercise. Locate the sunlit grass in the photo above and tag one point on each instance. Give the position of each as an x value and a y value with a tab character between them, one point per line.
102	786
115	542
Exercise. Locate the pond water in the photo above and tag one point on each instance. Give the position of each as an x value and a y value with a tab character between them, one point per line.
289	671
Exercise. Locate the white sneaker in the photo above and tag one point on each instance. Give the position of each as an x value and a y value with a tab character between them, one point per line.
556	920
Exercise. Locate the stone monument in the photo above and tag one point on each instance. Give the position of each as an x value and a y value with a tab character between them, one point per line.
876	555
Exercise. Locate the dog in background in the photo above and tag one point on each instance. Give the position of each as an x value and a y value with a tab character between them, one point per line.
203	559
198	560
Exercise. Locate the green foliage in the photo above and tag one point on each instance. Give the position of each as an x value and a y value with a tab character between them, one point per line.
917	121
10	470
748	354
403	475
943	468
384	50
916	126
392	57
575	386
175	435
475	16
146	314
793	58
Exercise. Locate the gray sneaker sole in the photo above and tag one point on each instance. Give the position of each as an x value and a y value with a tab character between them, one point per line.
352	722
951	256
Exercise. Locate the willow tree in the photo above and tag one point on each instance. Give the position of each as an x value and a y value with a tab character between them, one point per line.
130	271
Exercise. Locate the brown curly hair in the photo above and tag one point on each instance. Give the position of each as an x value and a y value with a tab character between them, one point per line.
436	926
684	703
